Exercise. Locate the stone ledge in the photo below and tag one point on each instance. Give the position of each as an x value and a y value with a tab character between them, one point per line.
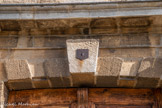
70	11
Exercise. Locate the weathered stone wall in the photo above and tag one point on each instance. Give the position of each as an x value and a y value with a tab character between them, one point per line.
34	53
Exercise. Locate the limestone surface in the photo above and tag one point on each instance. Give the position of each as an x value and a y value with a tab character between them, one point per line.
82	66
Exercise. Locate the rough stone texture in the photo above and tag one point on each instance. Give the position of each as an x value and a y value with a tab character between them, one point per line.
150	67
108	71
87	65
18	74
130	68
128	73
149	72
33	44
37	68
3	95
83	70
58	72
17	69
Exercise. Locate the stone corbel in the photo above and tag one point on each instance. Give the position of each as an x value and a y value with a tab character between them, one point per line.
82	58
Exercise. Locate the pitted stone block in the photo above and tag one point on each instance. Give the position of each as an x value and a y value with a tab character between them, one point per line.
17	69
109	66
58	72
18	74
82	70
149	73
128	73
129	68
108	71
87	65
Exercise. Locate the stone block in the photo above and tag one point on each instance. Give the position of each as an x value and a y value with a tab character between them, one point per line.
128	73
103	31
127	82
106	81
67	31
20	84
17	69
110	41
83	80
103	23
87	65
22	42
109	66
129	40
41	83
130	67
38	54
8	42
37	68
143	82
58	72
150	68
108	71
60	82
82	71
128	52
53	42
135	22
149	72
11	25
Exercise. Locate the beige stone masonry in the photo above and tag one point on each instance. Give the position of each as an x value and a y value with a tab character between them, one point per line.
88	66
149	72
57	70
17	69
111	72
108	71
3	95
128	73
18	74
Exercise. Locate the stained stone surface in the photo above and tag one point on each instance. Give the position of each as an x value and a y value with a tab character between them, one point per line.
82	66
108	71
38	44
17	69
129	68
109	66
